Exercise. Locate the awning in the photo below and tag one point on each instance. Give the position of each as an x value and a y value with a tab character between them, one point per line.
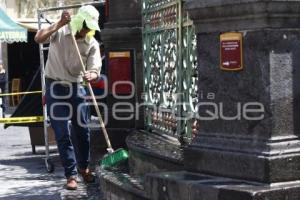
31	27
11	31
31	24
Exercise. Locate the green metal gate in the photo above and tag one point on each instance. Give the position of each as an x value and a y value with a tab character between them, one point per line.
170	69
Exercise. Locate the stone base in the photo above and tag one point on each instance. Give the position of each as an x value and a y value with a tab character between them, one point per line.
194	186
150	152
264	161
117	184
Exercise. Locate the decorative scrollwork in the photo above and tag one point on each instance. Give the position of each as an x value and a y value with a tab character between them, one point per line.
161	17
170	69
155	60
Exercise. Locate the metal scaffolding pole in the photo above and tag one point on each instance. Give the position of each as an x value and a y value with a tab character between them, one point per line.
71	6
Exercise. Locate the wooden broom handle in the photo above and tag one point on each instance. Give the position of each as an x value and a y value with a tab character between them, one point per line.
110	149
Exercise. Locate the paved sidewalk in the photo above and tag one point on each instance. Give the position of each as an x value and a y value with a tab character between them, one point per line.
23	175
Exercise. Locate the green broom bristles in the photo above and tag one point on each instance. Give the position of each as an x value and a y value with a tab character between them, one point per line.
112	159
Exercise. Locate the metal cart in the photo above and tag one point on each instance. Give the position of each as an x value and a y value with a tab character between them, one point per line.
43	48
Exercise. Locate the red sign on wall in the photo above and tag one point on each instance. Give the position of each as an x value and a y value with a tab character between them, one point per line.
231	56
120	74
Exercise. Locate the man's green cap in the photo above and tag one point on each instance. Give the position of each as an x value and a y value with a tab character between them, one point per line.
87	13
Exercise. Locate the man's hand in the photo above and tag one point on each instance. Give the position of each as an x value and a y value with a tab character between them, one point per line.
43	34
90	76
65	18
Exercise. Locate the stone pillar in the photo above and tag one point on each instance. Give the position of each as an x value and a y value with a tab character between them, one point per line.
126	14
265	150
123	32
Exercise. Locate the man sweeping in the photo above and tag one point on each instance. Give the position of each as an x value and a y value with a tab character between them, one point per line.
65	92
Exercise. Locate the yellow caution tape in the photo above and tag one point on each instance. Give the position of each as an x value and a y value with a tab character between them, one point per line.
20	120
19	93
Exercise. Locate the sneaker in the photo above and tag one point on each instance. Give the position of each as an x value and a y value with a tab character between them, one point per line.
87	175
71	183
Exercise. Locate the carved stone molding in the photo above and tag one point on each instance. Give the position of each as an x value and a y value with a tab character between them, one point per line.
231	15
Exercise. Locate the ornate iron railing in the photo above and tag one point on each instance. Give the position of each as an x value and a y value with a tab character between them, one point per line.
170	69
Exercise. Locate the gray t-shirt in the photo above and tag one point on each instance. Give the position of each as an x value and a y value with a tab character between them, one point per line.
63	63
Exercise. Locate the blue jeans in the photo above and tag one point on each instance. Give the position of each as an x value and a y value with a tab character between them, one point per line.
65	102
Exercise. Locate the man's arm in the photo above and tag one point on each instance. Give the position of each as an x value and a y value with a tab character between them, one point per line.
43	34
93	64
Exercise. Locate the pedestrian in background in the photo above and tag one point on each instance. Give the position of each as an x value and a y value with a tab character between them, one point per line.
99	84
3	80
65	91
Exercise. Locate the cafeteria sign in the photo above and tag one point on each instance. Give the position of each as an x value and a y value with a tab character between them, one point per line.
231	58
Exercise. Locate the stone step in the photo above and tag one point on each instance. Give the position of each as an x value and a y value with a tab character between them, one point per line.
186	185
118	184
148	153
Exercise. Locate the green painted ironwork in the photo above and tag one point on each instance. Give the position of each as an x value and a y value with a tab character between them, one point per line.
170	69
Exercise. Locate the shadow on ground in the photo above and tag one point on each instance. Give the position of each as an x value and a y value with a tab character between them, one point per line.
23	176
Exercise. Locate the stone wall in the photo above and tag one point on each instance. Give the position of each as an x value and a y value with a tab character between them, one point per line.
258	147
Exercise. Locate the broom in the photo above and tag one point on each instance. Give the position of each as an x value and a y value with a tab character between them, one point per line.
113	157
